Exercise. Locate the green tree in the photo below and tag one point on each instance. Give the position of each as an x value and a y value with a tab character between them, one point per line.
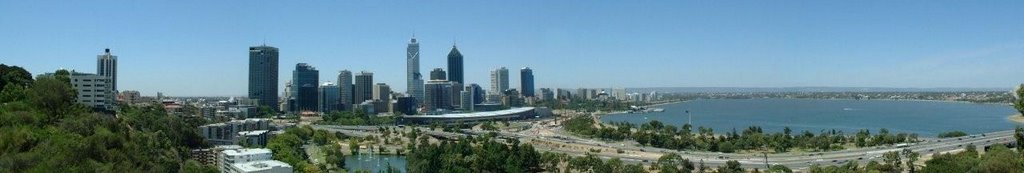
731	166
892	162
51	95
911	158
779	169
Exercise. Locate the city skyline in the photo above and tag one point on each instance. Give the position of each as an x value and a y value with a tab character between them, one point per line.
813	44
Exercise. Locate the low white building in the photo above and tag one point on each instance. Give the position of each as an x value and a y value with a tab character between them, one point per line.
95	91
264	166
227	158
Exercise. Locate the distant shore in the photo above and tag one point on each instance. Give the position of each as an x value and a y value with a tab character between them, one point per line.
1017	118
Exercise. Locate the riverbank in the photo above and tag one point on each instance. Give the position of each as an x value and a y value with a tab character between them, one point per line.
1017	118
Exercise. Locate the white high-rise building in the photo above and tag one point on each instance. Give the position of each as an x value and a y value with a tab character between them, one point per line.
414	80
499	81
106	65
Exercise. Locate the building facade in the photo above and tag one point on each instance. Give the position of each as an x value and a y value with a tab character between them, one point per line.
437	95
382	91
345	90
438	74
263	75
526	82
499	82
455	66
95	91
328	97
414	80
106	65
363	89
305	82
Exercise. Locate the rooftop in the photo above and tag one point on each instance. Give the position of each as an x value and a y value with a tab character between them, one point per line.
256	166
247	151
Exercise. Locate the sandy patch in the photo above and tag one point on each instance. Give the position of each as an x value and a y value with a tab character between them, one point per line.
1016	118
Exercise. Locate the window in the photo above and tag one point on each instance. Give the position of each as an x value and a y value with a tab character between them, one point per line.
86	95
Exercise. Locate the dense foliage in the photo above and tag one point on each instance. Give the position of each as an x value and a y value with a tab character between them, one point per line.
656	134
288	147
43	130
357	117
472	155
952	134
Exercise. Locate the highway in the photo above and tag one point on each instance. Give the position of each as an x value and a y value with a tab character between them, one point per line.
794	161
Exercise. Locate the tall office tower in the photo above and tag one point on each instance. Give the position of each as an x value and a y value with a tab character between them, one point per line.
438	74
328	97
437	95
455	66
414	80
478	93
526	81
499	81
263	75
345	89
581	93
363	87
106	66
381	92
305	80
467	99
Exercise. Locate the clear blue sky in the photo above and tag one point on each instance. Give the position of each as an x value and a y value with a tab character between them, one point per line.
189	48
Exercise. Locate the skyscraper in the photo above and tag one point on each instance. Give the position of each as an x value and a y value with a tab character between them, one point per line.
437	95
382	92
478	93
455	66
305	80
414	80
263	75
106	66
363	89
328	97
526	81
499	81
438	74
345	89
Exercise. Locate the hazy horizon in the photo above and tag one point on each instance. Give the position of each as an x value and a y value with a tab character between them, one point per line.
199	48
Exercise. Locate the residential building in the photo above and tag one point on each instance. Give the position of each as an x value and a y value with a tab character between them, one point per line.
263	166
94	91
226	133
242	155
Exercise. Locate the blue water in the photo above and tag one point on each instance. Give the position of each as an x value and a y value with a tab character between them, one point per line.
374	163
926	118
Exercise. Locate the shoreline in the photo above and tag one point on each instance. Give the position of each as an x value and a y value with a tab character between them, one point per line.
1016	118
